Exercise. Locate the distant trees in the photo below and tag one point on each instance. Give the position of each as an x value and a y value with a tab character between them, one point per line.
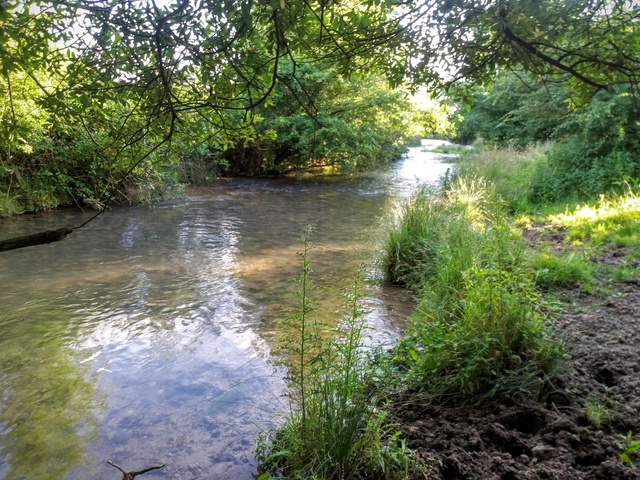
129	85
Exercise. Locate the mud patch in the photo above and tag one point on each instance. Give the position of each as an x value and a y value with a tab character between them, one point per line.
554	438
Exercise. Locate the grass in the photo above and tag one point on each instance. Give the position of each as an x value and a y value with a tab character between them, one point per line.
448	149
566	269
598	414
510	172
612	219
9	206
478	331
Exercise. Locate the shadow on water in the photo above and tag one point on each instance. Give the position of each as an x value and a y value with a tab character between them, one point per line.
146	337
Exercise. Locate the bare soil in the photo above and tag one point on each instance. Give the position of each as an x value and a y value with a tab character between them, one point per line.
551	437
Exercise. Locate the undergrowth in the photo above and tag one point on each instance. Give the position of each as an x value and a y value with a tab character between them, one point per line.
478	331
511	173
613	219
335	428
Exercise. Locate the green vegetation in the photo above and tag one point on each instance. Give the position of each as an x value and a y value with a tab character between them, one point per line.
320	121
592	146
448	149
563	270
478	331
510	172
630	449
612	219
113	101
598	414
335	428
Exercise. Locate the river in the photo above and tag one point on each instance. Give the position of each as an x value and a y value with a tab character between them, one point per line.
150	336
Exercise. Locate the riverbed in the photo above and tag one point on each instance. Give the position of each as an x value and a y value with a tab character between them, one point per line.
150	336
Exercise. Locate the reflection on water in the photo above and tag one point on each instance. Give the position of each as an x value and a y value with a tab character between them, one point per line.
146	337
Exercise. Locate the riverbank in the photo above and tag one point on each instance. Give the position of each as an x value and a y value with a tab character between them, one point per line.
578	428
582	420
514	365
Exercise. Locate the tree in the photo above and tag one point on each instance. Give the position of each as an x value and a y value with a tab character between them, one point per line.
516	111
592	44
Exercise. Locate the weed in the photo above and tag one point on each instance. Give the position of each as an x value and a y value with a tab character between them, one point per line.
510	172
629	449
563	270
333	429
598	413
478	330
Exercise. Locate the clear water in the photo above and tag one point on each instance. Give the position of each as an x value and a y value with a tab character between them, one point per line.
149	336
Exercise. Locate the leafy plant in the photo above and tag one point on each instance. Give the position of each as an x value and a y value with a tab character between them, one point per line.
630	447
333	429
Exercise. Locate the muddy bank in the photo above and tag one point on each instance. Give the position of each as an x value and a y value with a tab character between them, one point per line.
552	438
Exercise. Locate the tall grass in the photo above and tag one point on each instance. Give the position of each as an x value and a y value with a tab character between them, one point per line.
478	331
514	174
334	428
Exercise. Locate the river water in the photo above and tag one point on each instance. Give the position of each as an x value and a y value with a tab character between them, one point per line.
150	336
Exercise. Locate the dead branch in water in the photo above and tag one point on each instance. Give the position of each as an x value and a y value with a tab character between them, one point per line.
133	474
48	236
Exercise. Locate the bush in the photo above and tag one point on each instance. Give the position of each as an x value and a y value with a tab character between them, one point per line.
515	112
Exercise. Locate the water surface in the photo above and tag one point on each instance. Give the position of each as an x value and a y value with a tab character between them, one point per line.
149	336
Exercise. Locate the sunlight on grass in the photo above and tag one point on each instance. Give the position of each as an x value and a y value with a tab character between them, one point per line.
565	270
615	220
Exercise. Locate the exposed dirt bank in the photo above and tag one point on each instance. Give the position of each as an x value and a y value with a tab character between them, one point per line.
554	438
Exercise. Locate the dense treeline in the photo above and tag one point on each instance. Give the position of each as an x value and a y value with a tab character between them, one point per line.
315	120
318	120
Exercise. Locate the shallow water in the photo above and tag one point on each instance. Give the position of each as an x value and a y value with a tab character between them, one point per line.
149	336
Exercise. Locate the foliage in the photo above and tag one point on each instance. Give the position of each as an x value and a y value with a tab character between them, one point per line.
469	40
478	331
334	429
594	144
514	111
596	150
434	118
510	172
146	81
318	119
562	270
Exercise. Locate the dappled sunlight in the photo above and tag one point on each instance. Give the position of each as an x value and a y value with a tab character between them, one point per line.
615	218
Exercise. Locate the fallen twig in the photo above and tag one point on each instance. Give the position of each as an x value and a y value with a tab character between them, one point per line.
133	474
